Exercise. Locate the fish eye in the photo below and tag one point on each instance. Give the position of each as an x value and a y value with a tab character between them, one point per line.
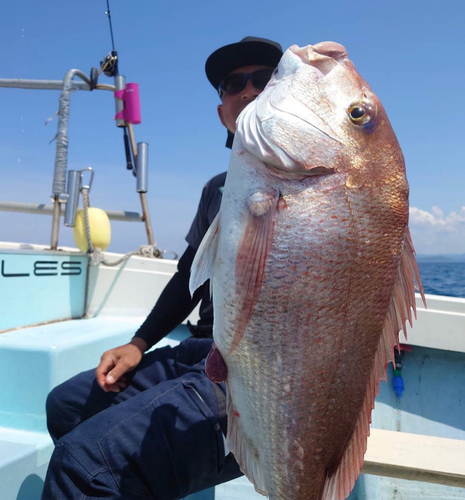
359	114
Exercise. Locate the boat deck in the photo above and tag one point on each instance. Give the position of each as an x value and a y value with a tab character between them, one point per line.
34	359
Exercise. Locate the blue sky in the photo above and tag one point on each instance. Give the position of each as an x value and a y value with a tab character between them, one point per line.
410	52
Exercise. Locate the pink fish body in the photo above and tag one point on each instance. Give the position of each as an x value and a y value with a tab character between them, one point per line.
312	271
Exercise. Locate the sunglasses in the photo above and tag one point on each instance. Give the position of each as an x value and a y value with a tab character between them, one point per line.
236	82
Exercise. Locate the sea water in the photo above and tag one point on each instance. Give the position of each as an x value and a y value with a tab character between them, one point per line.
443	278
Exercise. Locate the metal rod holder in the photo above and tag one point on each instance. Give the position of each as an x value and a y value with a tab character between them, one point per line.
142	167
73	188
120	84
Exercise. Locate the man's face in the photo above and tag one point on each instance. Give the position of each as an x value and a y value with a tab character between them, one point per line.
233	103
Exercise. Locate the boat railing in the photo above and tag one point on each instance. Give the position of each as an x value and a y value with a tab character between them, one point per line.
41	209
127	114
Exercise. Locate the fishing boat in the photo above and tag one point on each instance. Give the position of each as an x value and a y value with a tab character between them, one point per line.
62	307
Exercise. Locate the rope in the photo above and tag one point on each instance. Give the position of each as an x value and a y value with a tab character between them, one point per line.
85	199
97	256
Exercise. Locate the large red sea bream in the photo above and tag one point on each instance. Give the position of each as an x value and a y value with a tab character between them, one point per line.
312	270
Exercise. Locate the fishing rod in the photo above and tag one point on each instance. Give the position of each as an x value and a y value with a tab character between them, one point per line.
108	13
127	115
109	66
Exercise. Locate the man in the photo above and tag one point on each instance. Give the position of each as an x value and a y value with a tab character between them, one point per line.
152	425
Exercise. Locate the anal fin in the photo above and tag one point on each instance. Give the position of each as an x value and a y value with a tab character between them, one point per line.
246	456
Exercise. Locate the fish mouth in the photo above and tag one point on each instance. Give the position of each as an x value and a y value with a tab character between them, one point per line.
305	171
276	157
298	114
300	170
324	56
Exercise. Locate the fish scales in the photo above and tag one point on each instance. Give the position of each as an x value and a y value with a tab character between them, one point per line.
286	356
305	257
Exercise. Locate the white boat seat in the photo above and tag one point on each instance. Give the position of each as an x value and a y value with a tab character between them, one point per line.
416	457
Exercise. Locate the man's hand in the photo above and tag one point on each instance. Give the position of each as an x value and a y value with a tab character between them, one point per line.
116	362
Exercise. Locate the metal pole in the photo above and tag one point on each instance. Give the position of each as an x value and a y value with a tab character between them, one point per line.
20	83
40	209
55	223
146	218
61	154
132	139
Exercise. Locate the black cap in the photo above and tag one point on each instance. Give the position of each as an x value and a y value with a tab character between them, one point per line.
249	51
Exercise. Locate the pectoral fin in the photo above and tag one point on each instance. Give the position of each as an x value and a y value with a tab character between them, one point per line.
254	249
204	261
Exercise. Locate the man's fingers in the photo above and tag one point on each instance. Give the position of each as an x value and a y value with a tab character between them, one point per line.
107	363
112	388
114	364
108	386
118	371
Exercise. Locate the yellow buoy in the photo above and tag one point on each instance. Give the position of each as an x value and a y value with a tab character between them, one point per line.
100	229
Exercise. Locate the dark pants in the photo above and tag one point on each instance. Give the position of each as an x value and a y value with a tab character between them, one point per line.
160	438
